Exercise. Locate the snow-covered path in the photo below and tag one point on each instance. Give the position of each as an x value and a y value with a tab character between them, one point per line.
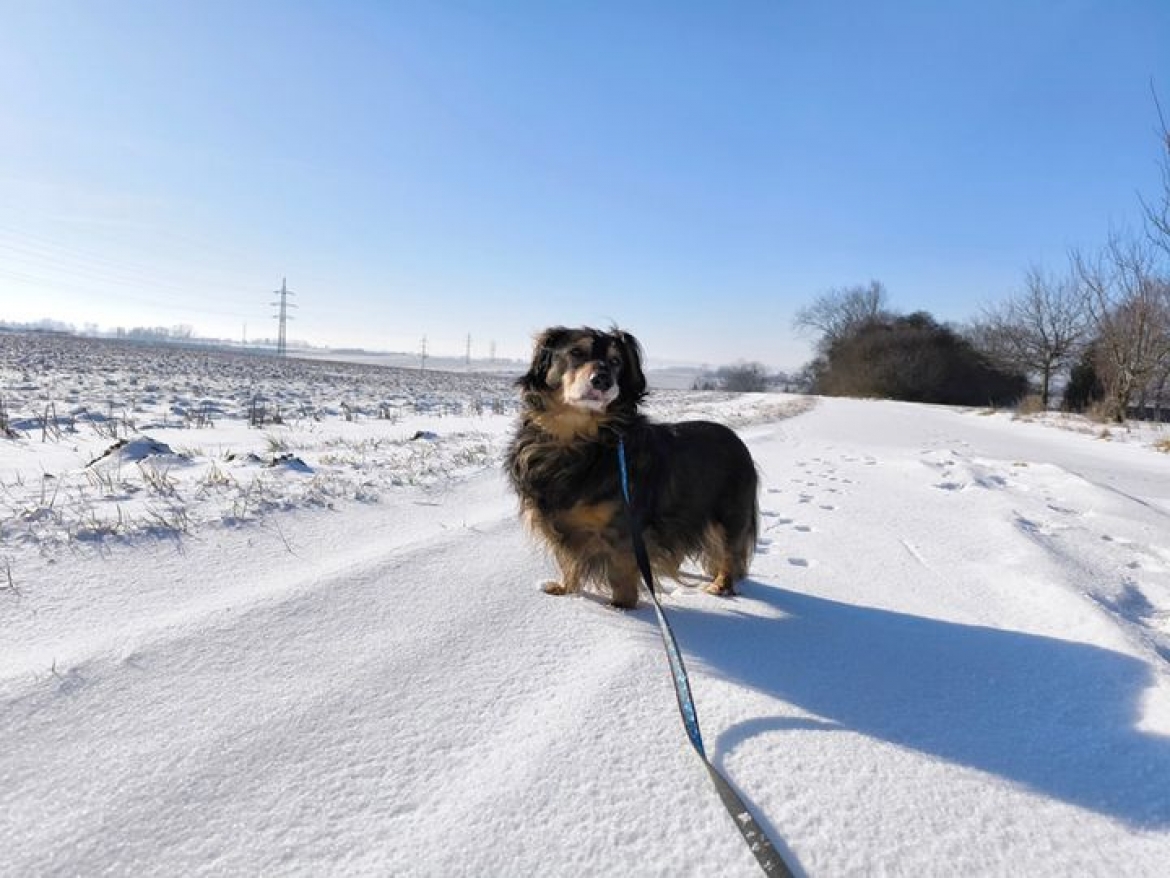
951	659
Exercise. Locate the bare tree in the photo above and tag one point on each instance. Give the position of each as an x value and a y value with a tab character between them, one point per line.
1129	307
744	378
739	378
1157	210
841	311
1038	331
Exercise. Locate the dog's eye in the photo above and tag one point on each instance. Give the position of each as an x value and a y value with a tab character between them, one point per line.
615	362
575	355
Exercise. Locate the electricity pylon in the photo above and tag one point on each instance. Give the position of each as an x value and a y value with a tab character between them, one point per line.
282	315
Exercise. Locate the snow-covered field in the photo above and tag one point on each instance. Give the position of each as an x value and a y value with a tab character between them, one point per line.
315	645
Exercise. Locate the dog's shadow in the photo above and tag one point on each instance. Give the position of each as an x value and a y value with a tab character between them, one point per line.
1056	717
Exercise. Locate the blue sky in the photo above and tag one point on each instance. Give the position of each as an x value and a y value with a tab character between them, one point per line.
694	172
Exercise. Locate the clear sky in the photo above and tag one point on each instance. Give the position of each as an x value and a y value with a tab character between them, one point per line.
694	172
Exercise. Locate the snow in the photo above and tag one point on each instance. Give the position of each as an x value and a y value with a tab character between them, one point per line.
951	657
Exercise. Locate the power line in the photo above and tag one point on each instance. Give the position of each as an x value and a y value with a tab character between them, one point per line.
57	284
32	252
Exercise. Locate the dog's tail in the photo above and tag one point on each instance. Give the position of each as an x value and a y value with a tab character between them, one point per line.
752	531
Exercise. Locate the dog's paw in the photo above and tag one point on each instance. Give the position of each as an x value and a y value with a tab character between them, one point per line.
554	587
721	588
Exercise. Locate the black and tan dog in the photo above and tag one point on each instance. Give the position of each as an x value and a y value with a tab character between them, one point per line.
693	483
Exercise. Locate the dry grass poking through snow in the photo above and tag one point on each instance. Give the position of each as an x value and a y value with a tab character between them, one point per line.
107	439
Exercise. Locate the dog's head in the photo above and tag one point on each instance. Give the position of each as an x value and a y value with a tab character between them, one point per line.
586	369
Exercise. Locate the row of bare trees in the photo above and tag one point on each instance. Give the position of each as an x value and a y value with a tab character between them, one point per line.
1127	302
1107	317
1104	322
1109	313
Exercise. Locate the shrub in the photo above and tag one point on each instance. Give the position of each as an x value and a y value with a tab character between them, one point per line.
1032	404
1085	388
915	359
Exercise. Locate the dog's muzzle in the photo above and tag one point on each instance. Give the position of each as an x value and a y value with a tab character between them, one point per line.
602	380
593	389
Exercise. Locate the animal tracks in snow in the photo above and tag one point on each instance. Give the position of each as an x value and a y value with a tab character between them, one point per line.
795	510
957	472
1087	536
1086	532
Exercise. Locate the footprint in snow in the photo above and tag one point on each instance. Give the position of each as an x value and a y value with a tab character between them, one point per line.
70	682
1032	527
1121	541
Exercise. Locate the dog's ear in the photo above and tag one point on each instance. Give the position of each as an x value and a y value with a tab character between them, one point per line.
633	379
545	347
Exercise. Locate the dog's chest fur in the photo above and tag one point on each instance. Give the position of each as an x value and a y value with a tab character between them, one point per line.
552	475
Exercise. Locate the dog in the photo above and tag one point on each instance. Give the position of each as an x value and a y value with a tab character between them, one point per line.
693	484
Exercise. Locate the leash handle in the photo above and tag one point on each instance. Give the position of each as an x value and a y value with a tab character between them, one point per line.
757	840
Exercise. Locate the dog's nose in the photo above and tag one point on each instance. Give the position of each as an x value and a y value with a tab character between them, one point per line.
601	380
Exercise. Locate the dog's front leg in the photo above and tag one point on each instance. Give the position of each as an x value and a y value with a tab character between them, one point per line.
570	581
623	581
559	588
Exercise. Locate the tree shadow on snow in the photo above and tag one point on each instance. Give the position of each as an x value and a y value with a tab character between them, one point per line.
1056	717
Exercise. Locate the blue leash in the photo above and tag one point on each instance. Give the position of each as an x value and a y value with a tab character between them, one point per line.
757	840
